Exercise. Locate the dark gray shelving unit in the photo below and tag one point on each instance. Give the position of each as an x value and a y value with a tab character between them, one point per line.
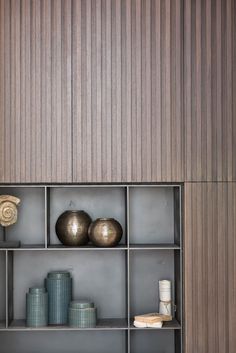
122	281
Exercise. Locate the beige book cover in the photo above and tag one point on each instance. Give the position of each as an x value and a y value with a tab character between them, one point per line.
152	318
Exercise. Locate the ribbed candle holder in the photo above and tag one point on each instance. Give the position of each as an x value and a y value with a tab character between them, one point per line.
37	307
82	314
59	287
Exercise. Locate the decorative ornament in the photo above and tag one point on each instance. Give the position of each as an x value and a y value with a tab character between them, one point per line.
8	210
8	216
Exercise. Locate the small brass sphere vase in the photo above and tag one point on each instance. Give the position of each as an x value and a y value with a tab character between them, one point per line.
72	228
105	232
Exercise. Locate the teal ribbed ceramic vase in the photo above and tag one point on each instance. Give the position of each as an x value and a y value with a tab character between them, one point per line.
37	307
59	287
82	314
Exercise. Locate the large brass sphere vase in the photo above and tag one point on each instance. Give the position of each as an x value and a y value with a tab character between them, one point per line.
72	228
105	232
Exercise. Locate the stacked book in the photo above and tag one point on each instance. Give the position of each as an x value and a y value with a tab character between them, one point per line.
152	320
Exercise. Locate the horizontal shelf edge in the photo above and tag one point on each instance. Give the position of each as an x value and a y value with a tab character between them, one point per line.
91	248
103	325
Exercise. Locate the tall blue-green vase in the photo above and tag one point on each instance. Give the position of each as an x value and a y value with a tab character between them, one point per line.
37	307
59	287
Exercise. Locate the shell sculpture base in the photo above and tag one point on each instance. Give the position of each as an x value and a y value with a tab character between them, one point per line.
9	244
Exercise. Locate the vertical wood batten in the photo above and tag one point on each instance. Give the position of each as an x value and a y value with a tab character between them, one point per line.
146	92
103	90
116	92
12	89
187	89
7	89
94	87
233	87
50	90
177	93
167	92
208	92
88	93
76	90
26	17
35	88
2	89
124	106
198	82
66	77
138	92
156	89
22	95
228	93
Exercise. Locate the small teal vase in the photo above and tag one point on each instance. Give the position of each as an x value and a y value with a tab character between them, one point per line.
37	307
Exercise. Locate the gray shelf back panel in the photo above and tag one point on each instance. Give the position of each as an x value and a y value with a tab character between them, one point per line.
152	342
63	342
98	276
151	215
146	269
30	226
2	289
96	201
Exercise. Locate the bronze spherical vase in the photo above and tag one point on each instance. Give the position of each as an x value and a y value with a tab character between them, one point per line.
72	228
105	232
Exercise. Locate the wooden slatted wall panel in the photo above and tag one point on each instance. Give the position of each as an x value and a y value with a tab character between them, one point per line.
210	90
210	267
127	90
35	91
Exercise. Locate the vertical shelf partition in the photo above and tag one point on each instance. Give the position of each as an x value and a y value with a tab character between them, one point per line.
123	281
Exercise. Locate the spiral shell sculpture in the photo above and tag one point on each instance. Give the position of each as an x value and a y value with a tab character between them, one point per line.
8	210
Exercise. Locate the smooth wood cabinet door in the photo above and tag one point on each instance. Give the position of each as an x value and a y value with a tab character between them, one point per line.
127	90
35	91
210	267
210	90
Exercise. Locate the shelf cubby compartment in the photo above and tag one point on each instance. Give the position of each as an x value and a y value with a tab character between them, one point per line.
30	226
61	342
146	269
98	202
100	277
154	217
151	341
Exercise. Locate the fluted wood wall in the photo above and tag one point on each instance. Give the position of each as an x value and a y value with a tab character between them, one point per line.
210	90
210	267
122	90
35	91
98	83
127	90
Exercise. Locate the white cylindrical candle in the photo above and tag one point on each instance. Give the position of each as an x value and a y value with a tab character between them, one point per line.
165	297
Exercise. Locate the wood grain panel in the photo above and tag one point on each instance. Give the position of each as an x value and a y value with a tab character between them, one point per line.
210	267
35	95
210	93
127	90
